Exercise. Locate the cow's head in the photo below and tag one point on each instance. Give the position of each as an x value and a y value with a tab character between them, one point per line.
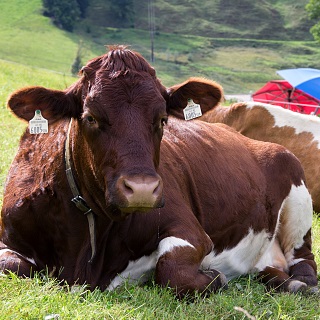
121	109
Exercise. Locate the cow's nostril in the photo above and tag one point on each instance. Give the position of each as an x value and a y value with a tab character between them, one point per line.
158	188
127	188
141	187
140	192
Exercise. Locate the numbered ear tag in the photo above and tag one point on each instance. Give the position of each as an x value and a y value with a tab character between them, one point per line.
38	124
192	110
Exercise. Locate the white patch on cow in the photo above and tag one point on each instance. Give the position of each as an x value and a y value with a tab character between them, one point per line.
273	257
169	243
259	250
296	220
3	251
295	261
136	270
140	269
300	122
242	258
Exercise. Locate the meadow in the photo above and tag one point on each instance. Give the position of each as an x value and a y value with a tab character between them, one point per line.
240	65
41	296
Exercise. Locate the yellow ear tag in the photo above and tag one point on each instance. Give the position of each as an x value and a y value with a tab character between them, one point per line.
192	110
38	124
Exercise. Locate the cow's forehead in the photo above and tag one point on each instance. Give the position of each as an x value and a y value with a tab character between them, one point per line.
128	88
118	62
122	77
124	96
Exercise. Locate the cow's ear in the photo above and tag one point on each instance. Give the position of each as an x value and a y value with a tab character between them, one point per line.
53	104
202	91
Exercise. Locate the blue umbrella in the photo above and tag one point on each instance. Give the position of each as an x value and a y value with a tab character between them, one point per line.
305	79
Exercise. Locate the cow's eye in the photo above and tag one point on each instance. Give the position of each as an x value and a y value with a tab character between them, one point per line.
91	120
164	121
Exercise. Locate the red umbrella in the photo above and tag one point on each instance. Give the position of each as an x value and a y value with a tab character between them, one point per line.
281	93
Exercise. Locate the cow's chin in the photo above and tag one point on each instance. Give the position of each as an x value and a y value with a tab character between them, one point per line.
121	212
141	208
130	210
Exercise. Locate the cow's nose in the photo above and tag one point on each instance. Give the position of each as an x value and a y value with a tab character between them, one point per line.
141	192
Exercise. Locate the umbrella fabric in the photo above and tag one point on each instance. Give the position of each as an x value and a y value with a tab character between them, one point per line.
305	79
282	93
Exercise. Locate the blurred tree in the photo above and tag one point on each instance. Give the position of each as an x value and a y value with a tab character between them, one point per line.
77	63
123	10
83	5
313	8
64	13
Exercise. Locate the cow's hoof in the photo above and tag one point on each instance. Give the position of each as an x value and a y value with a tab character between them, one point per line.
313	290
297	286
219	280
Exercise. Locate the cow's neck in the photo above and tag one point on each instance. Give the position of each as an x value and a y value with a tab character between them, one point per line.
77	199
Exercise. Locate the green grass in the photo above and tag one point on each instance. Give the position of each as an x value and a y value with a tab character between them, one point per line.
15	75
239	65
277	19
35	298
29	38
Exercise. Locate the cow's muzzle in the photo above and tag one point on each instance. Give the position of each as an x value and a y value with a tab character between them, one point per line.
139	193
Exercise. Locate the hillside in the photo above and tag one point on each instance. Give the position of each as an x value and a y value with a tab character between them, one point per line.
240	64
273	19
27	37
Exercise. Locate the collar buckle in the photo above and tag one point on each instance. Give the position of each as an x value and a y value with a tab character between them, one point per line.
81	204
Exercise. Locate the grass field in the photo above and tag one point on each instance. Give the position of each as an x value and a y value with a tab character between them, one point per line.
240	65
39	297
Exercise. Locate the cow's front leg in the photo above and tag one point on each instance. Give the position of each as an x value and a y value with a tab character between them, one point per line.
11	261
304	267
178	267
300	276
279	280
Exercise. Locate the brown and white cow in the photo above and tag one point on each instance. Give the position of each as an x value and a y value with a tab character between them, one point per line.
297	132
191	200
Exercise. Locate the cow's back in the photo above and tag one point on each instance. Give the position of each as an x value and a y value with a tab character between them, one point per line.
227	178
298	133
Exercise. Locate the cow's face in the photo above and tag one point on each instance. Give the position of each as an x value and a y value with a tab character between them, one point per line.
124	112
121	109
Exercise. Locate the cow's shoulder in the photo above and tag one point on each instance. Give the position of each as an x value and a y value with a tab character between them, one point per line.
36	171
